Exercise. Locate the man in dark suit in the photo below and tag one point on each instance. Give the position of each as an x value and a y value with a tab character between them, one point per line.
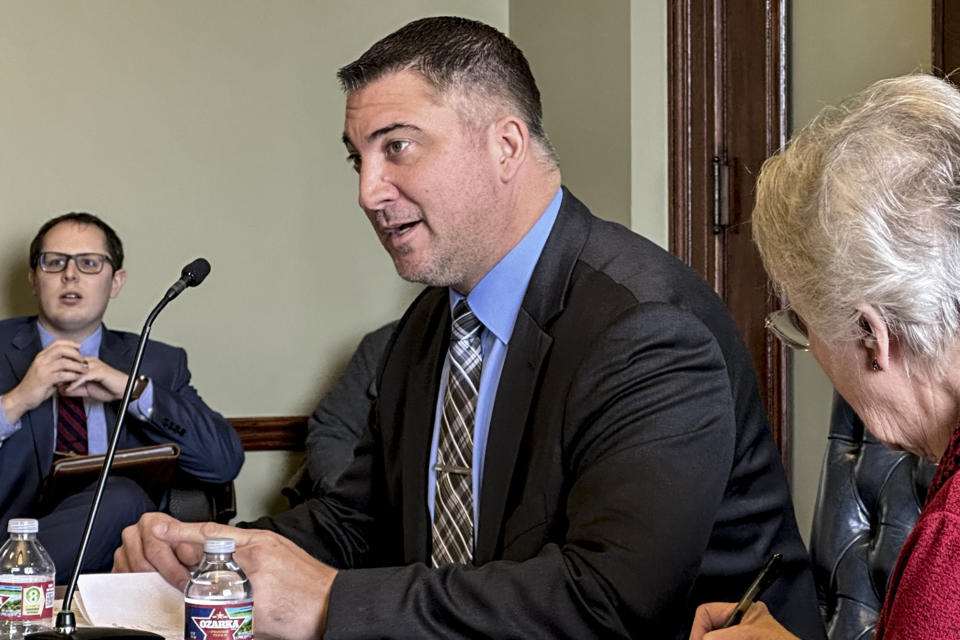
568	440
61	378
339	420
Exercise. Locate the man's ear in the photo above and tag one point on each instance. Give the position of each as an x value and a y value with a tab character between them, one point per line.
119	277
877	340
511	141
32	279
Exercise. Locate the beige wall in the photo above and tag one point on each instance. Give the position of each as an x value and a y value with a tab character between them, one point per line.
839	48
208	128
602	72
648	119
213	129
579	57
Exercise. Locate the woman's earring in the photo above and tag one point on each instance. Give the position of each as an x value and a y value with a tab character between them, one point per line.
876	365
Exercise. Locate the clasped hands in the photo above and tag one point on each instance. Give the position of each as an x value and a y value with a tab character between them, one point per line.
61	369
291	589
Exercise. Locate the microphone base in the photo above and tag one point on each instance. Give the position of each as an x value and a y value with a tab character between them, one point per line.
93	633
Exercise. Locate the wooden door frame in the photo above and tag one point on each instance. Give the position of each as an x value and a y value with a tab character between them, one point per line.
946	38
704	38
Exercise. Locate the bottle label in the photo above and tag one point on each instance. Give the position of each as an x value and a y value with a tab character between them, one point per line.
233	621
26	600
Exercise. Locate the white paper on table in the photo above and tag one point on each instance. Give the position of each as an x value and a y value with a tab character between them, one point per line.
143	601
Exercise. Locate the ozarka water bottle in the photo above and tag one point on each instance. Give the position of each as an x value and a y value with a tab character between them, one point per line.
27	579
218	599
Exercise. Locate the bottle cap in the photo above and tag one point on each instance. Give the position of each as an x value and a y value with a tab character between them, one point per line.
22	525
216	545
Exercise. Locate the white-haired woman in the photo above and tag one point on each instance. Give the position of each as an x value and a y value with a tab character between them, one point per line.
858	224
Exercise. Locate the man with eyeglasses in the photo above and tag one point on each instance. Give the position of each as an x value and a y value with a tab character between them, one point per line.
62	375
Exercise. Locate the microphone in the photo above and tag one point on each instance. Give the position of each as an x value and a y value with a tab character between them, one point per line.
191	275
66	625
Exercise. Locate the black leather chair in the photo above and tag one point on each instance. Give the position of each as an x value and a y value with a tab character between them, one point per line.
868	501
190	500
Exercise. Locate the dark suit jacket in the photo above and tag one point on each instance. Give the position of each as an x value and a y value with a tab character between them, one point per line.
210	447
339	421
630	472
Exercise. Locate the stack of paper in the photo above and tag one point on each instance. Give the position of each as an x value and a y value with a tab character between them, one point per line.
141	601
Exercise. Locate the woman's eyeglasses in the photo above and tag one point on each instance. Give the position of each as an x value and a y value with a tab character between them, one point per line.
787	325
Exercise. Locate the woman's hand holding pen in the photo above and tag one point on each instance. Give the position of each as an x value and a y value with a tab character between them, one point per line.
757	624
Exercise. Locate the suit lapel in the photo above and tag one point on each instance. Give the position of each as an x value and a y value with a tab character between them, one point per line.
518	380
115	351
26	345
526	356
119	355
418	420
39	421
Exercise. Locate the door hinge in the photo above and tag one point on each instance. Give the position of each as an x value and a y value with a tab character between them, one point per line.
721	210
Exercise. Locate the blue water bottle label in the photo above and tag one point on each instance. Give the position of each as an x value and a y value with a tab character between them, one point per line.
219	622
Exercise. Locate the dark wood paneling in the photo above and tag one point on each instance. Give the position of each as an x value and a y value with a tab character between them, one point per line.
946	38
271	433
727	101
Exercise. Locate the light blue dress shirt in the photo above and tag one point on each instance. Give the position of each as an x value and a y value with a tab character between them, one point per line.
96	420
496	302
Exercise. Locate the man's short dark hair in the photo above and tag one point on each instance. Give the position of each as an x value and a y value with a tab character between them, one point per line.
455	53
114	246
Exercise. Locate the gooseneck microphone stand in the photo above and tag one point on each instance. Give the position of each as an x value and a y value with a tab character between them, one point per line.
66	626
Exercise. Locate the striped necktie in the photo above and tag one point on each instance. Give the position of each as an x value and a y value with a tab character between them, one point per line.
71	425
453	508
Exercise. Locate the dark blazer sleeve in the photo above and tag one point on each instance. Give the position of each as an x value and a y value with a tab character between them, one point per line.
341	417
210	449
629	452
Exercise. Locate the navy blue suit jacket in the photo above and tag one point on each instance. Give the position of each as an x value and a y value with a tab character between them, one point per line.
210	447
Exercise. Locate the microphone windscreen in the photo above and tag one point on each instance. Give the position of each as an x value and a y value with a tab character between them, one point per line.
194	273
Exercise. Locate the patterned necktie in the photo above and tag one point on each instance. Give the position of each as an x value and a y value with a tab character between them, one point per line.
453	508
71	425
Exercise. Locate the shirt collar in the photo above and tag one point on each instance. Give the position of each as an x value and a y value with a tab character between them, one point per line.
497	297
89	348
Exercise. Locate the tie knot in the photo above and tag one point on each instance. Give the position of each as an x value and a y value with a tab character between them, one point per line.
465	323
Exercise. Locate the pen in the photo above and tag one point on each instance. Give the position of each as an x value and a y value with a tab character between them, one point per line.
763	580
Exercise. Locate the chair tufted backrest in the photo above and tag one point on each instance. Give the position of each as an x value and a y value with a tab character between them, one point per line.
868	501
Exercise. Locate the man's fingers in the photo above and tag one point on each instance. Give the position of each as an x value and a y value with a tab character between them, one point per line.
188	554
61	365
129	557
98	380
757	611
170	547
141	549
62	350
180	546
159	548
175	532
120	562
75	385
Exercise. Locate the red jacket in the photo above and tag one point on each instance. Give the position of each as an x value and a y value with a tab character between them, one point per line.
923	600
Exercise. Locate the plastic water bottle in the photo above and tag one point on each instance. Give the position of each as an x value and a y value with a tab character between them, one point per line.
27	578
218	599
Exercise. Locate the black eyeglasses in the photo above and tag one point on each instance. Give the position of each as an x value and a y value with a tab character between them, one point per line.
790	328
90	263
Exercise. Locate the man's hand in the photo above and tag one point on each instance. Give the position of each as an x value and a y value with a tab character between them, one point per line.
757	624
56	366
100	381
291	588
